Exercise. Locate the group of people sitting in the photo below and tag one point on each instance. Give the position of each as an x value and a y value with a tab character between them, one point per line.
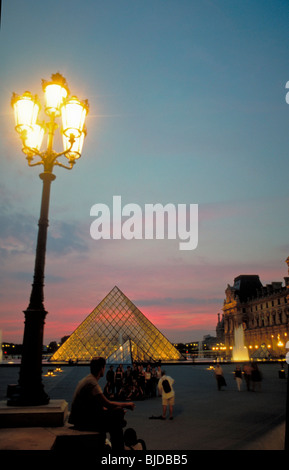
137	382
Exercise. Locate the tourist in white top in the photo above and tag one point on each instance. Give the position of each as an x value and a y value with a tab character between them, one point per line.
168	394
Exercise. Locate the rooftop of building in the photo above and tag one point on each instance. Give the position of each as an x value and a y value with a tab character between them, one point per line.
249	287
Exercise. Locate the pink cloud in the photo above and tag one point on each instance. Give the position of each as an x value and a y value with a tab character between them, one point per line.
178	292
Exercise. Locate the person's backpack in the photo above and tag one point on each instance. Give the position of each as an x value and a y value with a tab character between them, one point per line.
166	386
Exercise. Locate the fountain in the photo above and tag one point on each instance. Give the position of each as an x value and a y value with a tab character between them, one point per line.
240	352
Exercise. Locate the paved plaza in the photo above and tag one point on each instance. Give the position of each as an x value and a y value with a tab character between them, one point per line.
204	418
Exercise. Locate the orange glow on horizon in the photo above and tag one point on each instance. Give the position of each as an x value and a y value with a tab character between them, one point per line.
178	321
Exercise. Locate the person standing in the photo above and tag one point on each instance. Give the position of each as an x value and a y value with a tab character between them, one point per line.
154	382
158	377
110	381
165	388
148	380
141	378
256	378
118	380
247	369
219	377
238	376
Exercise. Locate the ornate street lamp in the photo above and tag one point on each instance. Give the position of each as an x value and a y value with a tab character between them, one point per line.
30	390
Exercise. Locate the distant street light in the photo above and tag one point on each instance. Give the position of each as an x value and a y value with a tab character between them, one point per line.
30	390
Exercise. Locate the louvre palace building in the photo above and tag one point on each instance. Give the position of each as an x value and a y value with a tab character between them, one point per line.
263	312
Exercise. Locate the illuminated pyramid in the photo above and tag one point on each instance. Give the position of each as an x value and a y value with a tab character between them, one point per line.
114	328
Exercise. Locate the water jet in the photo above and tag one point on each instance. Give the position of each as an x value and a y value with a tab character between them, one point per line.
240	351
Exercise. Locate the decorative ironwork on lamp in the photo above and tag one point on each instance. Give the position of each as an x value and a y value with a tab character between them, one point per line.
57	103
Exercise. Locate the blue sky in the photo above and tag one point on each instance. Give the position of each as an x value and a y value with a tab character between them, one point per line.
187	105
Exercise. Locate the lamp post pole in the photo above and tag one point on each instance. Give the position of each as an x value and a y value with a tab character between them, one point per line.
30	390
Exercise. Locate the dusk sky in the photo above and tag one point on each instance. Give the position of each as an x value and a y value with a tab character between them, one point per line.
187	106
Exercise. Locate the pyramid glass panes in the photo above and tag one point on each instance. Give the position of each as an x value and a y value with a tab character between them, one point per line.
116	322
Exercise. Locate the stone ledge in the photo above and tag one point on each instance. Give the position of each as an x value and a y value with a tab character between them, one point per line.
69	439
52	414
26	439
63	438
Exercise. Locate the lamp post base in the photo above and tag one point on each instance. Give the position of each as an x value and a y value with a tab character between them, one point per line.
30	390
53	414
22	397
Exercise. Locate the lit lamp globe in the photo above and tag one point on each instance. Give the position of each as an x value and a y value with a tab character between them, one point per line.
73	145
73	112
55	91
26	108
32	139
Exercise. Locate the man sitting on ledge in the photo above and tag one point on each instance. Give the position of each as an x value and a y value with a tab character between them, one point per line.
92	411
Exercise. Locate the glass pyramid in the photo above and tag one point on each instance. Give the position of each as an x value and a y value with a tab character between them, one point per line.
117	328
262	353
